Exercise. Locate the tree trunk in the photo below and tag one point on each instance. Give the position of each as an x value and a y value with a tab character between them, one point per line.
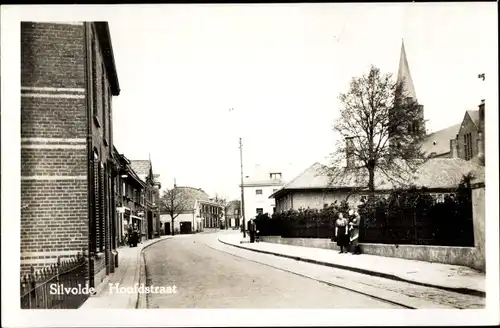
173	226
371	180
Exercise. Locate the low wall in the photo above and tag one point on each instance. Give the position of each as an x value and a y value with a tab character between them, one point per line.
465	256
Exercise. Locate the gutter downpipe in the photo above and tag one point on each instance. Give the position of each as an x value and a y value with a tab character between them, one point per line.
90	152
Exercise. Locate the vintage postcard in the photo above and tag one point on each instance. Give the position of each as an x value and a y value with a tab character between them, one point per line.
250	164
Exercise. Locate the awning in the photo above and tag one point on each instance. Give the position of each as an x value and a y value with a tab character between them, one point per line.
122	209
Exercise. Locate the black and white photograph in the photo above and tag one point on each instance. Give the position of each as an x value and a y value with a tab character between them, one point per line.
250	164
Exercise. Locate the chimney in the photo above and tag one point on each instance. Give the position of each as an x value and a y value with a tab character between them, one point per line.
454	147
481	134
349	152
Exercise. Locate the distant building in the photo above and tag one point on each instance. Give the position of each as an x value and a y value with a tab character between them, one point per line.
130	193
151	223
258	185
200	213
465	138
233	214
68	78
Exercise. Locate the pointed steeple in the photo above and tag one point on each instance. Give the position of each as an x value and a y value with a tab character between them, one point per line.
404	74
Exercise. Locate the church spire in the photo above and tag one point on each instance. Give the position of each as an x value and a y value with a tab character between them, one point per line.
404	74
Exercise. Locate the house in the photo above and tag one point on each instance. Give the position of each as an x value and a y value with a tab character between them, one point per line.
199	212
151	223
68	78
258	186
315	188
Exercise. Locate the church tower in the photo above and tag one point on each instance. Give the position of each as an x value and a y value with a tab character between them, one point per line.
408	92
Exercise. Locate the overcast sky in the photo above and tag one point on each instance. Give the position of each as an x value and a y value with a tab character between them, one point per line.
281	67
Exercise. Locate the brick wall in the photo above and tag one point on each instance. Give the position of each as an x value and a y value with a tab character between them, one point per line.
54	220
100	98
52	55
54	151
468	126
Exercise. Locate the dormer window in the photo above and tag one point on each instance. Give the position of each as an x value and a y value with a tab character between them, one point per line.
275	176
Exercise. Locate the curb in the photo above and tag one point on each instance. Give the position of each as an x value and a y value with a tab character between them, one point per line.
141	301
466	291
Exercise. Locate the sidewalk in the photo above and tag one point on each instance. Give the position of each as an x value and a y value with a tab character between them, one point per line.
448	277
127	274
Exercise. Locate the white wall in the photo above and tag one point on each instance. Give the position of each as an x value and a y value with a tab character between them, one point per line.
314	200
254	201
188	217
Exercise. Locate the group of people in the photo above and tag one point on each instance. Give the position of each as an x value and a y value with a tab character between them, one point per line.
132	236
253	233
347	232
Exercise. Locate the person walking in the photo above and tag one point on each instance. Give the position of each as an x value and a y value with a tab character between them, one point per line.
354	233
341	233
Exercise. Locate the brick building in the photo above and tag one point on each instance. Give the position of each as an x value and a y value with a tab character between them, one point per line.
151	224
130	192
68	78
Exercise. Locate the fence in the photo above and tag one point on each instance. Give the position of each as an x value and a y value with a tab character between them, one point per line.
58	286
407	217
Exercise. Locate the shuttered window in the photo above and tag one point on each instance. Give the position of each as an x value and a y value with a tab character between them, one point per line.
102	206
97	210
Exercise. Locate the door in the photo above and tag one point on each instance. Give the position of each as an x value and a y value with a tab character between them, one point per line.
167	228
186	227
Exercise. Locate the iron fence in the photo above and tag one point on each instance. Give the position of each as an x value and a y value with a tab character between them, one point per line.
58	286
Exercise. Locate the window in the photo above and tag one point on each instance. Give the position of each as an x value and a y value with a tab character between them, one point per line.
275	176
104	98
95	107
258	192
260	211
467	146
440	198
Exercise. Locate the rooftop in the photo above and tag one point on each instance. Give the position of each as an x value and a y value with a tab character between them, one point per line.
141	167
439	142
104	36
436	173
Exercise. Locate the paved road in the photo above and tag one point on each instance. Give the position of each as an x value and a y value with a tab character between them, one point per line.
209	278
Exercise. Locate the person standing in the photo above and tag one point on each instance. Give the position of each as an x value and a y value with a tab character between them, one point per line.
354	233
341	233
251	230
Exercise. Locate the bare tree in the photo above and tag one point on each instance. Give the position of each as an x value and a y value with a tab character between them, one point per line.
381	132
174	202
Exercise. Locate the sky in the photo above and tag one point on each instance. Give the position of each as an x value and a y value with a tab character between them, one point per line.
281	67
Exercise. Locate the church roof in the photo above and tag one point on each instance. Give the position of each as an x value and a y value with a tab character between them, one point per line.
474	116
439	142
404	74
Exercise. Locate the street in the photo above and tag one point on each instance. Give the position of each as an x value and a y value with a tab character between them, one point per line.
209	278
209	274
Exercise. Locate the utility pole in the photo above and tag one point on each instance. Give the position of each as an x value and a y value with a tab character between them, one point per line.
242	191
